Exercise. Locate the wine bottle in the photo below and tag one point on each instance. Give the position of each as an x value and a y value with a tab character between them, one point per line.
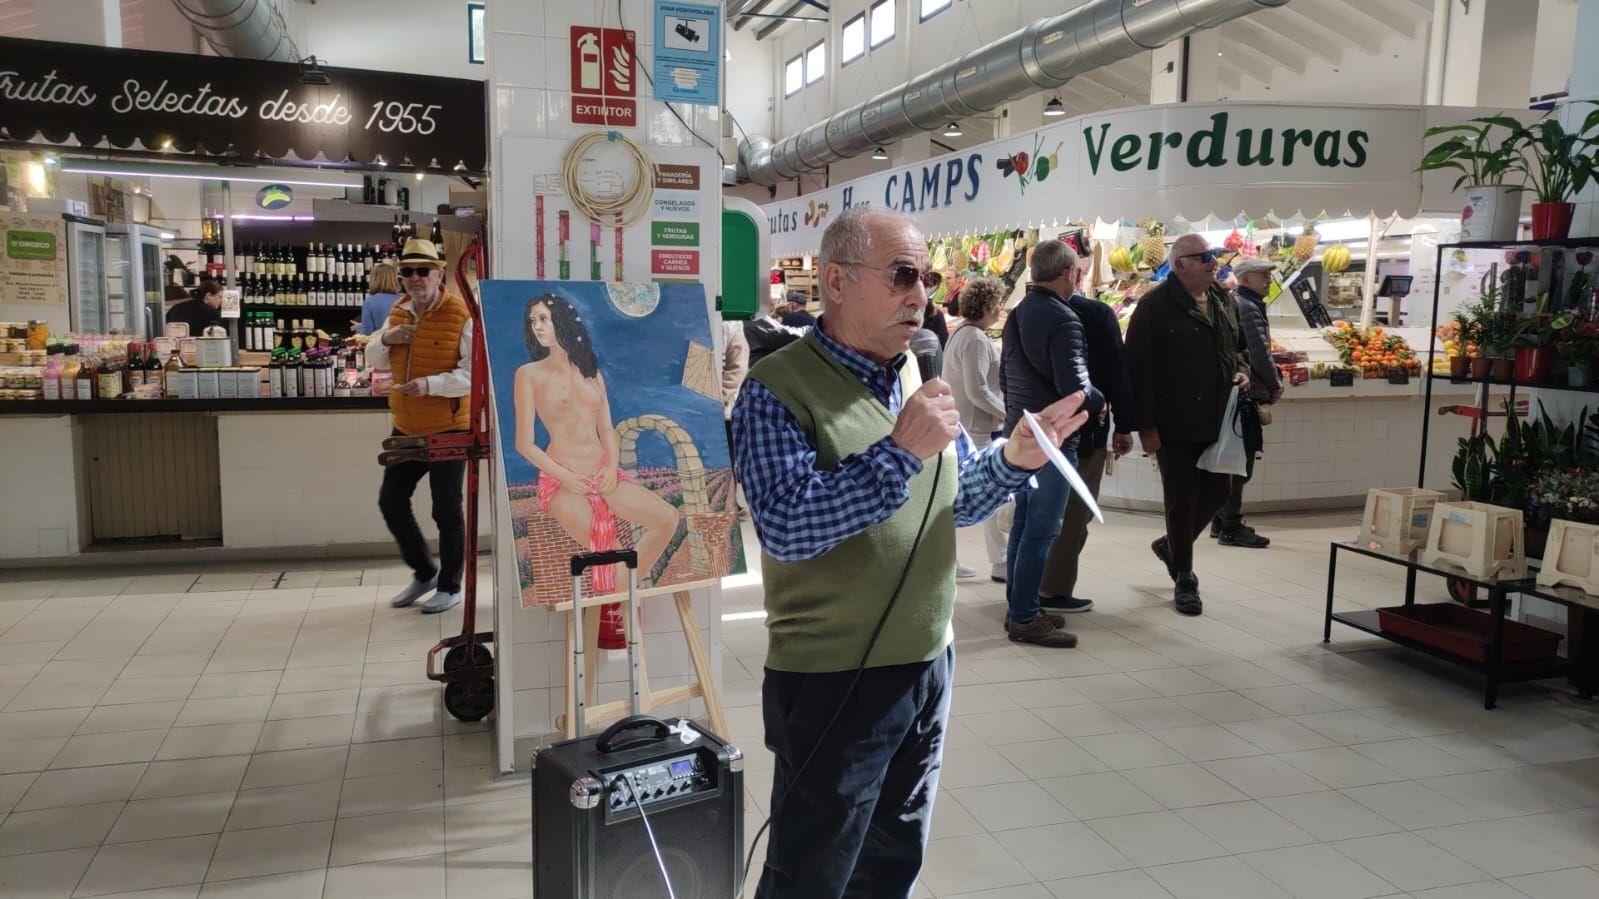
437	236
135	366
85	386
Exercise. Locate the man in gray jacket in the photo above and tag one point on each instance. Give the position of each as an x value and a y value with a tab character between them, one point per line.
1265	388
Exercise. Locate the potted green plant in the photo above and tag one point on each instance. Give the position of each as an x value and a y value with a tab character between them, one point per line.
1483	151
1465	336
1578	347
1533	338
1556	165
1485	323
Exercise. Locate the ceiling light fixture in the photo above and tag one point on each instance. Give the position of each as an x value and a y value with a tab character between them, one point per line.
380	162
1054	107
311	72
879	154
953	129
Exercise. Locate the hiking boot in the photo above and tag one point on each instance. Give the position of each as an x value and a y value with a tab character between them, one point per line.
1243	535
1067	604
1186	596
1057	620
1041	631
1162	550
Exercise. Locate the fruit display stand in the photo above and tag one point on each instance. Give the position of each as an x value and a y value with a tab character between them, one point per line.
1583	646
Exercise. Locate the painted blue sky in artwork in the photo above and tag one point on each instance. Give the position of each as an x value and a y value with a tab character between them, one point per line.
641	360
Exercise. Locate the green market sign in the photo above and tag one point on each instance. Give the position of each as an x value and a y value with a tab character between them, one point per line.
38	246
1189	160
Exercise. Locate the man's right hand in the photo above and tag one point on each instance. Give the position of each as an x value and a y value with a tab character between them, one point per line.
928	421
1149	439
398	334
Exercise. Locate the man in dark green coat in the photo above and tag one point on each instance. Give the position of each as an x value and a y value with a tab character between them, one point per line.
1186	351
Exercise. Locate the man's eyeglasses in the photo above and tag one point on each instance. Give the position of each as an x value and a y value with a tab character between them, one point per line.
1206	257
904	277
416	272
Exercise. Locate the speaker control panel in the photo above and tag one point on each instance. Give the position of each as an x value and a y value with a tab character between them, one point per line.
656	783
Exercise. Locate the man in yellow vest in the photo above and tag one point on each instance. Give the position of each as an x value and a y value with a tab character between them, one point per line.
427	344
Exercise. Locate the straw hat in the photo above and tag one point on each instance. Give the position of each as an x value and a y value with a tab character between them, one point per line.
423	251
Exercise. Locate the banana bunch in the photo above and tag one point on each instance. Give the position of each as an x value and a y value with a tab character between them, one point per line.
1335	260
1121	260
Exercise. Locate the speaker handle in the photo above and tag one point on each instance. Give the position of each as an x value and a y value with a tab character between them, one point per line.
607	741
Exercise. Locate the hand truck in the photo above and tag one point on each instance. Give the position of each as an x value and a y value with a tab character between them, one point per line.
467	671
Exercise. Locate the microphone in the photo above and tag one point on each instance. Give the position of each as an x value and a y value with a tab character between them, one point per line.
929	355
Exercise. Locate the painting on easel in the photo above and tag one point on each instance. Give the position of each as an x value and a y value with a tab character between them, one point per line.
609	411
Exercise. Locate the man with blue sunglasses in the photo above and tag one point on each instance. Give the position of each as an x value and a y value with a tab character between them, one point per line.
1185	350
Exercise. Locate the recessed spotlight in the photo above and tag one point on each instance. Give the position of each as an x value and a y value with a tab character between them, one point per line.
879	154
952	130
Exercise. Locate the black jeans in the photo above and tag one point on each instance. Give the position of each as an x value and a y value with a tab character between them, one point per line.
1192	496
856	822
394	499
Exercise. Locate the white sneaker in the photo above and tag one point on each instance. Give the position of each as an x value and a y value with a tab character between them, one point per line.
413	592
964	572
440	602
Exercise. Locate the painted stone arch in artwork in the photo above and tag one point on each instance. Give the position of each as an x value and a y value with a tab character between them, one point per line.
690	468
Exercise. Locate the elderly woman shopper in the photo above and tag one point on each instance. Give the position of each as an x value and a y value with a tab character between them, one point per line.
971	366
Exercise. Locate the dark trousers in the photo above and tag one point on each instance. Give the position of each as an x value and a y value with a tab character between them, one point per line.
1192	497
394	499
856	822
1060	571
1232	511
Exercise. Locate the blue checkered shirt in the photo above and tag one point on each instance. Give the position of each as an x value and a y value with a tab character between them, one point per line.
801	512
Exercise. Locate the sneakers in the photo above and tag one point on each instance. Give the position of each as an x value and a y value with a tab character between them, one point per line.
1163	552
1041	631
1243	535
1186	597
441	601
1066	604
1057	620
413	592
964	572
998	578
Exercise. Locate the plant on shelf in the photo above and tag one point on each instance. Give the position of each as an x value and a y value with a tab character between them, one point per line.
1571	494
1556	165
1578	347
1483	151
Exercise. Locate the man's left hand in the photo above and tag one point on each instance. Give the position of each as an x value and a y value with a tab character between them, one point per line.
413	387
1060	420
1277	394
1121	444
1242	380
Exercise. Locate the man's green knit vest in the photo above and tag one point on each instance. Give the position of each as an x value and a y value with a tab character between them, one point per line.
820	612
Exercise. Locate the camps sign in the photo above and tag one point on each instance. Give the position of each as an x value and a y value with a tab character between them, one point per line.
1164	161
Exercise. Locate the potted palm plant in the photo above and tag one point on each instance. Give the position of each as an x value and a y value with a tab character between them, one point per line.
1483	151
1556	165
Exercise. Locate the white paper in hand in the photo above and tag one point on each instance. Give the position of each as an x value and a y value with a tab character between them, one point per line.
1066	468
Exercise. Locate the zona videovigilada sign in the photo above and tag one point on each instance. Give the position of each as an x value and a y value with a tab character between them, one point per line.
210	105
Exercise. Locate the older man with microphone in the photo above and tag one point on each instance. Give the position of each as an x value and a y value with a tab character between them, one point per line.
857	474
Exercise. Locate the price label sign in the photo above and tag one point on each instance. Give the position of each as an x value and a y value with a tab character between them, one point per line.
231	297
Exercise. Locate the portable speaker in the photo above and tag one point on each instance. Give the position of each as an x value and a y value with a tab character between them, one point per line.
589	839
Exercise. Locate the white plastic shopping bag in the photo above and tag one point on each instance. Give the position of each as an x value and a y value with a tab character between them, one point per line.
1227	454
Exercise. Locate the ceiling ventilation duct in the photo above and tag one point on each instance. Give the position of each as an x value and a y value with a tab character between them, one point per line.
247	29
1042	56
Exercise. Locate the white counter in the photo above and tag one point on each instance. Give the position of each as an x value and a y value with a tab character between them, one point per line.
1326	446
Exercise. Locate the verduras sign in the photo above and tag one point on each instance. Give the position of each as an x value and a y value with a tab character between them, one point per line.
206	105
1190	160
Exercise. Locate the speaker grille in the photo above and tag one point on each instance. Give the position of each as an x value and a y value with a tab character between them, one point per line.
697	842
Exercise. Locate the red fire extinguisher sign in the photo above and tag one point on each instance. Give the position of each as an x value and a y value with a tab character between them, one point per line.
604	76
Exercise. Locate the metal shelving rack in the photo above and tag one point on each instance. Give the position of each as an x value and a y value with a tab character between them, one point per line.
1584	670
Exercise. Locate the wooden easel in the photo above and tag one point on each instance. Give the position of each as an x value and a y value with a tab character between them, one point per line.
703	686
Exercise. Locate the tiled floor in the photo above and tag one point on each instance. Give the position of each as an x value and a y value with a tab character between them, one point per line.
239	732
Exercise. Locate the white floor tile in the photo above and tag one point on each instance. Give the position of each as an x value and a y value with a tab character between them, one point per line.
968	864
1571	883
1216	878
1409	862
405	878
281	805
121	867
1317	872
1119	885
81	786
1156	838
1003	807
1103	795
47	830
1247	826
1262	777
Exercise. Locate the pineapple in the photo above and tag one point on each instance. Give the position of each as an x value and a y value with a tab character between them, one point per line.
1154	245
1305	246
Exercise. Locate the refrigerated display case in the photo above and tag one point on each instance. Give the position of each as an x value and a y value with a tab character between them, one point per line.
134	289
86	274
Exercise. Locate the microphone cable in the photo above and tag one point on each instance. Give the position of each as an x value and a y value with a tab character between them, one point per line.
932	497
648	831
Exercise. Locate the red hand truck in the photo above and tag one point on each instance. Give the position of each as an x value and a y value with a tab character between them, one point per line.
467	670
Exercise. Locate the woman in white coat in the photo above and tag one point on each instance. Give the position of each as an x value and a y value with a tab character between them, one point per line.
971	366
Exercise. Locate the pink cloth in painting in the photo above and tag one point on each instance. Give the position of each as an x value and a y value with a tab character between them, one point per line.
602	528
